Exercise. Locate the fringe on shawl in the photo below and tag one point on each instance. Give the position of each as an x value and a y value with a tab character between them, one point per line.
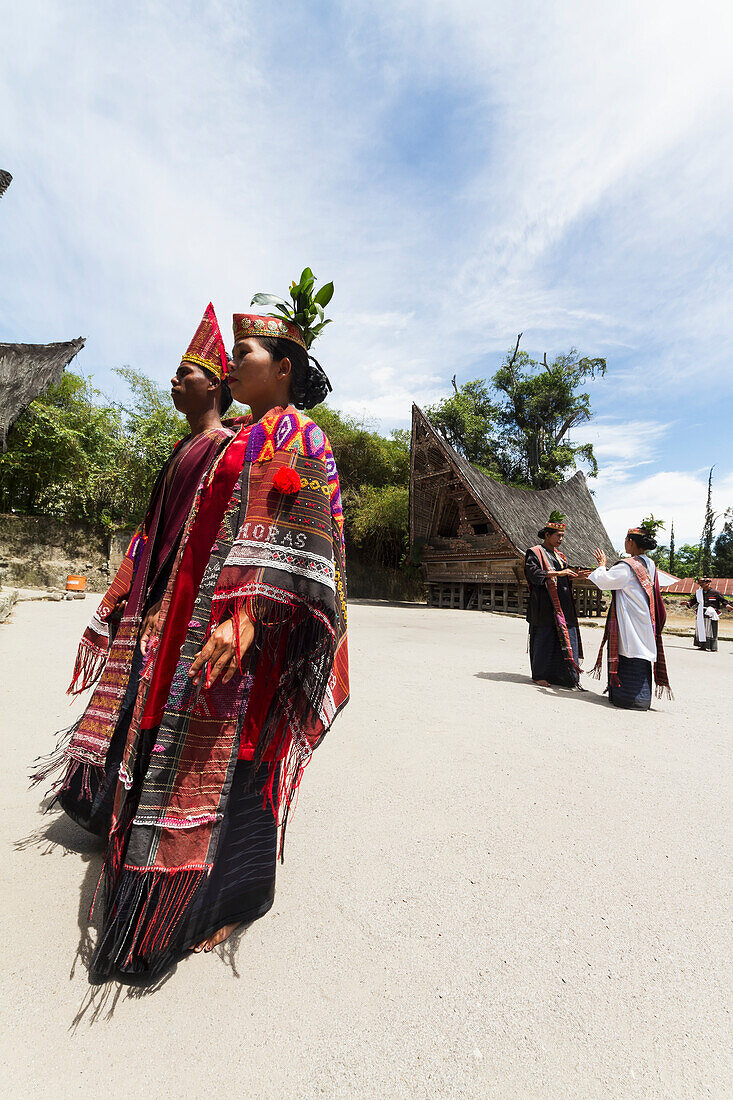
88	667
144	906
144	911
283	620
59	759
661	677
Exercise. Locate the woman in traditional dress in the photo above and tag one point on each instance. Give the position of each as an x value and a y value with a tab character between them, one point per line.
634	625
246	672
555	648
199	390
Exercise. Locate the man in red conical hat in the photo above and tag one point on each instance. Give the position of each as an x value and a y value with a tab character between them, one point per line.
115	643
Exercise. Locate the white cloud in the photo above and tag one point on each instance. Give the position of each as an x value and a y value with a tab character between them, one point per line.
578	189
668	494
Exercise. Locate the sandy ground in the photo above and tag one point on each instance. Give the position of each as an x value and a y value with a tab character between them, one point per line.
491	890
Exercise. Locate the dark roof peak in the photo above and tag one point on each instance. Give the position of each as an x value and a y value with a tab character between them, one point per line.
521	513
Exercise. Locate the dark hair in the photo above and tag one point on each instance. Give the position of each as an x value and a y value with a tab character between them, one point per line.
309	384
644	542
225	394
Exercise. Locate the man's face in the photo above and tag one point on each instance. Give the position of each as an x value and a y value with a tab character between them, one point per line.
705	585
191	388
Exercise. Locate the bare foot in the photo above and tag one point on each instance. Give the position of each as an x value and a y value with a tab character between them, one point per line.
543	683
217	938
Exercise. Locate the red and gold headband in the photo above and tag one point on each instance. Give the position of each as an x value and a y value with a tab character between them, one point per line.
555	526
207	348
250	324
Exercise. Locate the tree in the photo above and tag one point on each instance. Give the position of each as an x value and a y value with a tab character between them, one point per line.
542	403
468	420
72	456
516	428
57	448
723	557
708	532
671	549
379	522
362	455
685	560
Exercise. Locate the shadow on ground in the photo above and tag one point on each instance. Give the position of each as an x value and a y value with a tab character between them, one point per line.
103	996
526	681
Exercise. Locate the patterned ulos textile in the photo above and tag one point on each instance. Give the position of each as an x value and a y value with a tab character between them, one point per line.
106	654
249	543
658	615
561	623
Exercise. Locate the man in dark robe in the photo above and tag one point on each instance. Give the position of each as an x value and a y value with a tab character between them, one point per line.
706	628
555	647
200	392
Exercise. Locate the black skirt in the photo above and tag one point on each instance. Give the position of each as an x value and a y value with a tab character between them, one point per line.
546	656
241	886
634	691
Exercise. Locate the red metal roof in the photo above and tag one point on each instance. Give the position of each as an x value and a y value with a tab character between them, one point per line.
687	585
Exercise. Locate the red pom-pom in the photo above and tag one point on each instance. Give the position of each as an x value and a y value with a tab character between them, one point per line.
286	481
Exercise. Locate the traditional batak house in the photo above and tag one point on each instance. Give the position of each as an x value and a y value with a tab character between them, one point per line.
27	370
470	532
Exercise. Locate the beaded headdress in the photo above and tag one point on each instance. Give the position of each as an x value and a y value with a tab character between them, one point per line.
250	324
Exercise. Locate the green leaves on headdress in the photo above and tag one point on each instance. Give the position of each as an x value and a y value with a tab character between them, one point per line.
556	517
650	525
306	309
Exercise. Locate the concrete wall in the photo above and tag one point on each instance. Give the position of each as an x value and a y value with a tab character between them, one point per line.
39	551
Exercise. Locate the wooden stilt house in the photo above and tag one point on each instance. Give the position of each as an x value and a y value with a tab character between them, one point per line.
470	532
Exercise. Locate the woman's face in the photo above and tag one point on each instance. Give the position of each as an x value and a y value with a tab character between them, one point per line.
255	378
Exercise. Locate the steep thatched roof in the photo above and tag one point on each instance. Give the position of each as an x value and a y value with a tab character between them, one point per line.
520	513
26	370
5	180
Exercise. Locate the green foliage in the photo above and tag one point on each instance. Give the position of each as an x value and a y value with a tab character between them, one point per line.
307	308
468	420
516	427
151	429
556	517
723	555
71	455
686	560
58	451
379	521
651	525
374	472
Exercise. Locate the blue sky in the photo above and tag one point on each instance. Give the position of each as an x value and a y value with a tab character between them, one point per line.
462	171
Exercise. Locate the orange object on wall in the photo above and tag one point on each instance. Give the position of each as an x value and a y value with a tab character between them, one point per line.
75	583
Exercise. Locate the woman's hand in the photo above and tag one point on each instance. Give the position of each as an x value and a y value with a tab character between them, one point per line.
566	572
150	627
600	557
220	652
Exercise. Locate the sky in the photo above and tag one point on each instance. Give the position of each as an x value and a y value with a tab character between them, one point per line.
463	172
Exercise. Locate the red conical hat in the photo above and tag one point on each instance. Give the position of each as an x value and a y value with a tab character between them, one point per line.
207	347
